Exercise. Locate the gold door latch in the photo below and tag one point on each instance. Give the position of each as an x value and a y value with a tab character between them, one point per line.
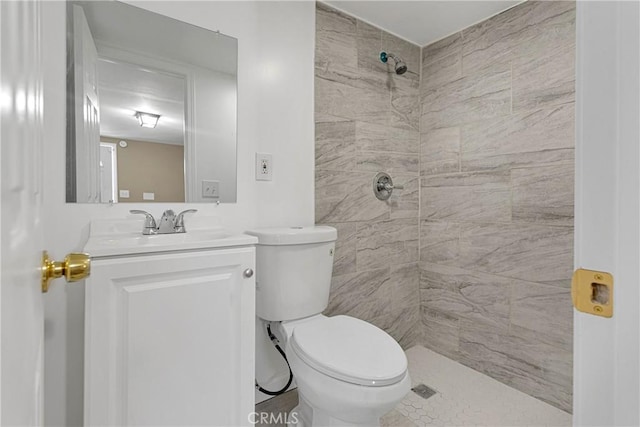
592	292
76	266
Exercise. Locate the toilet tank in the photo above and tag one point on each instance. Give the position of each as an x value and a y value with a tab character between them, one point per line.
293	271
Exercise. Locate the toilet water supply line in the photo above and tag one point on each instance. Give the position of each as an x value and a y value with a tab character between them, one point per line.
276	343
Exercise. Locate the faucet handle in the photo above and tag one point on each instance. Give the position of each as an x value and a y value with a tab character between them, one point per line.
149	221
179	227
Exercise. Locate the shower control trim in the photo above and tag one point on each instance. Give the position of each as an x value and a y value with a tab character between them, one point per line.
383	186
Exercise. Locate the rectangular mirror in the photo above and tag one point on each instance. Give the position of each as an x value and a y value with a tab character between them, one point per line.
151	107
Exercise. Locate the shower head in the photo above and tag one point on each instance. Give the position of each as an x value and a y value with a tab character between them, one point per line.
400	66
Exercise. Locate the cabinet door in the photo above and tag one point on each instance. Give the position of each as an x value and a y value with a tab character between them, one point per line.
169	339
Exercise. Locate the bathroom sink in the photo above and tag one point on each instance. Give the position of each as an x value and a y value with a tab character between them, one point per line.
110	238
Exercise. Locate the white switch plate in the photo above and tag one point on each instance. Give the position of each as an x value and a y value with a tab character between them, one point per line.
264	167
124	194
211	189
148	196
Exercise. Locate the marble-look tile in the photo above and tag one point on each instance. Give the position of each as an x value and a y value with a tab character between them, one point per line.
441	332
369	42
547	310
445	70
327	118
364	295
536	253
532	25
517	160
466	197
554	32
405	203
481	96
407	51
356	103
466	294
406	282
344	258
367	120
440	151
562	343
534	137
439	242
441	48
553	388
544	80
511	360
404	325
392	163
405	100
498	98
556	362
375	81
335	39
387	243
336	145
347	196
373	137
465	179
543	194
487	349
482	48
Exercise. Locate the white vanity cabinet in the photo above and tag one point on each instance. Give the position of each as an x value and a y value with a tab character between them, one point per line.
169	338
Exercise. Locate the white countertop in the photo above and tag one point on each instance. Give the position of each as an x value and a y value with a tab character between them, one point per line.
109	238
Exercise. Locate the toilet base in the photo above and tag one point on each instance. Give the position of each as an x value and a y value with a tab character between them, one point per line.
304	415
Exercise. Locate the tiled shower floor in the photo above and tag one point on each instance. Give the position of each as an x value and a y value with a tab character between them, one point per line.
464	398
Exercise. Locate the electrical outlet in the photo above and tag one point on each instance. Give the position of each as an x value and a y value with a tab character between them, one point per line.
148	196
211	189
264	167
124	194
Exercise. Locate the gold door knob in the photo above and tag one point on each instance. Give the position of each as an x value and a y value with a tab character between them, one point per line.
76	266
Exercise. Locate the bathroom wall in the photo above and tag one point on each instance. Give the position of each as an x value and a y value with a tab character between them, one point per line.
497	176
367	120
145	167
275	115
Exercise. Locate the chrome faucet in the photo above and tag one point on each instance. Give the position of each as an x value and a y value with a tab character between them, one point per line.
170	223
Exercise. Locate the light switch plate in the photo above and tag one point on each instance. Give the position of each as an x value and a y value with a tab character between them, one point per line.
124	194
148	196
264	167
210	189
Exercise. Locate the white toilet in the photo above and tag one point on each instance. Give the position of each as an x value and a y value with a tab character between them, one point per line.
349	372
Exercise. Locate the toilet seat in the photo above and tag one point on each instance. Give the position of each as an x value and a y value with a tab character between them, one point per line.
350	350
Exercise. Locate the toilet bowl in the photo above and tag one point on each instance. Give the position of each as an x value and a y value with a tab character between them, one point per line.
349	372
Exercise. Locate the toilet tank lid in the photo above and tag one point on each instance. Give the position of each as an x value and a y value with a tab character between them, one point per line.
294	235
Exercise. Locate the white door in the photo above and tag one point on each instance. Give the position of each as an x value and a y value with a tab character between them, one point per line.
21	240
607	350
108	173
87	118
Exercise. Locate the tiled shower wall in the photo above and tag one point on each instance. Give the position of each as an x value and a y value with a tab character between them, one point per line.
488	137
367	120
496	229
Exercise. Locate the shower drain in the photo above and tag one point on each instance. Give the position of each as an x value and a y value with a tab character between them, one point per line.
423	391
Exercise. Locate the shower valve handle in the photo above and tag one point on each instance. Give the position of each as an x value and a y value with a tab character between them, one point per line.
390	187
383	186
